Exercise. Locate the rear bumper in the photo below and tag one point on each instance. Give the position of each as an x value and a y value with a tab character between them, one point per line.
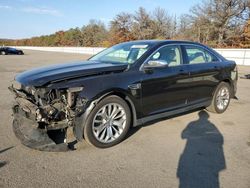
30	135
234	77
234	87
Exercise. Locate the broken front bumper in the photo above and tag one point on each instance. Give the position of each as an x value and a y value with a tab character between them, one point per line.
30	135
34	129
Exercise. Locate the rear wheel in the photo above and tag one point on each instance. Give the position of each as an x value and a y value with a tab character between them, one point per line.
108	123
3	53
221	98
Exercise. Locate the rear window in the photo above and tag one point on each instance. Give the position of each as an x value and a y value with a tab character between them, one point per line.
197	55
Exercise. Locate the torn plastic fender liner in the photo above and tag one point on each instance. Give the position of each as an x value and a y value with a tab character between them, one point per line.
30	135
81	120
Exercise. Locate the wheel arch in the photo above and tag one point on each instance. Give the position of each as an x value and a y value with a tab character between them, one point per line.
130	103
213	107
228	81
230	84
80	121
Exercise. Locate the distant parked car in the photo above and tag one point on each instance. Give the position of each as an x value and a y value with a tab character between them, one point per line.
8	50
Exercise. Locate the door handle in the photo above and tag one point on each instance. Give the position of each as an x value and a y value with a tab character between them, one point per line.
216	68
183	72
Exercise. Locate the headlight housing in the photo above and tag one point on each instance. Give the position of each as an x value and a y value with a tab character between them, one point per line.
17	85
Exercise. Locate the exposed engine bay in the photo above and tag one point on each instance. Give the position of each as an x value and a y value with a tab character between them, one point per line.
51	109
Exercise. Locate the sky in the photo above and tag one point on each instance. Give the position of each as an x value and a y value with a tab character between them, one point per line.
28	18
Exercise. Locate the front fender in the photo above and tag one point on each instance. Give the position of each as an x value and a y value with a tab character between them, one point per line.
80	121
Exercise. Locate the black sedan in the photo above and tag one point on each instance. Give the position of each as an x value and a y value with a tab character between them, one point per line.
9	50
126	85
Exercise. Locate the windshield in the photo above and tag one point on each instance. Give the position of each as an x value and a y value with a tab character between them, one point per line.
122	53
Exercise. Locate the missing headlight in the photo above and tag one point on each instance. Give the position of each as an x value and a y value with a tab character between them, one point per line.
16	85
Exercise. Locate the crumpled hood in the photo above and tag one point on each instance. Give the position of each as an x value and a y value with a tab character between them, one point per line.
41	76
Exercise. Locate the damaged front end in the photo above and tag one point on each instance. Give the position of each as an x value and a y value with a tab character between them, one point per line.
44	117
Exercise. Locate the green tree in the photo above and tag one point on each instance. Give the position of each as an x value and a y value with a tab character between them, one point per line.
94	33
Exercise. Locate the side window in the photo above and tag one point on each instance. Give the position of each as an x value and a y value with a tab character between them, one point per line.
170	54
198	55
210	57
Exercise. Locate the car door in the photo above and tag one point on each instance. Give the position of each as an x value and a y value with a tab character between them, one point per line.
11	51
204	68
163	88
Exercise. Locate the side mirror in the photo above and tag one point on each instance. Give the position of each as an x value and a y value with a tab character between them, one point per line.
155	64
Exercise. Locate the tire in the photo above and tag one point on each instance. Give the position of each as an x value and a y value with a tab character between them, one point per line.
3	53
221	98
101	123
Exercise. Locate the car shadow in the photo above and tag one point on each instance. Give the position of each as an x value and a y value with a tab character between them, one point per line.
6	149
134	130
203	156
152	122
3	163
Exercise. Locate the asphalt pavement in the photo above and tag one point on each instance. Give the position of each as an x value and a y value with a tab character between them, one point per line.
196	149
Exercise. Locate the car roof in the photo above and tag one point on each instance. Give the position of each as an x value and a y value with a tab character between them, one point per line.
164	42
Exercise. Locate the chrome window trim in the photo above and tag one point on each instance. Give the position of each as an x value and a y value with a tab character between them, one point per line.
180	45
206	50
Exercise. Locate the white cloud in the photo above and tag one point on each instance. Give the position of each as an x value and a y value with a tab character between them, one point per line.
42	10
5	7
34	10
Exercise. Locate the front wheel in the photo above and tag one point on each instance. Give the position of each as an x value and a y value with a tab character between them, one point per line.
221	98
108	123
3	53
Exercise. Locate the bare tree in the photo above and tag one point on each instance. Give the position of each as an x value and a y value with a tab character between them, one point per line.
217	21
164	25
143	26
224	13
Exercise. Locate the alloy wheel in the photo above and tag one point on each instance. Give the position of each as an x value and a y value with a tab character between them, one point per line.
222	98
109	122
